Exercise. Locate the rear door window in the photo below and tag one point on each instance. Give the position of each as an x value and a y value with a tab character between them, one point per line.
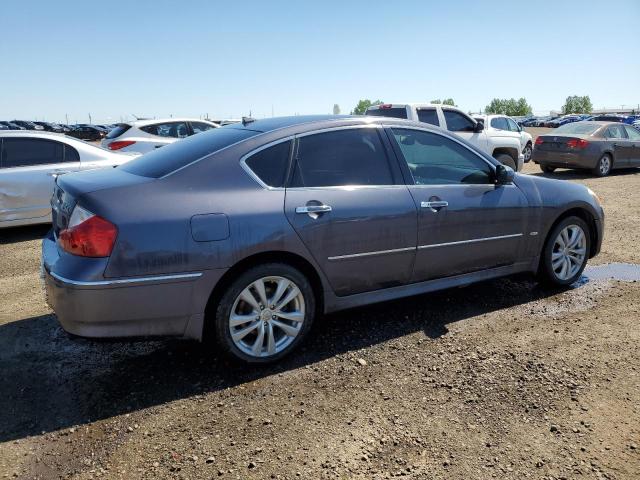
499	123
457	122
616	131
428	115
71	154
270	164
632	133
342	157
169	129
119	130
26	152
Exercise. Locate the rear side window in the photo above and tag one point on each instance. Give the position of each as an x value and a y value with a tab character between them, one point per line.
71	154
615	131
200	127
170	129
25	152
457	122
342	157
270	164
165	160
394	112
119	130
632	133
428	115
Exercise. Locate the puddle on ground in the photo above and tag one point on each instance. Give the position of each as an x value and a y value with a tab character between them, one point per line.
625	272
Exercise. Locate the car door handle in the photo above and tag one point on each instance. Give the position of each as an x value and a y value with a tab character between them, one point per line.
313	209
434	204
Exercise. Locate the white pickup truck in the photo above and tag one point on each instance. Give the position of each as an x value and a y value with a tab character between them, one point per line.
505	149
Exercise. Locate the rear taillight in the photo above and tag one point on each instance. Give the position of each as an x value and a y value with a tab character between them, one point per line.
577	143
120	144
539	141
88	235
385	106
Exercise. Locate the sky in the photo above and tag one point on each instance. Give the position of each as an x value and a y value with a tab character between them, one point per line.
65	60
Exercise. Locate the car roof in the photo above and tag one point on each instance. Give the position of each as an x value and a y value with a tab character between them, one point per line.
413	105
153	121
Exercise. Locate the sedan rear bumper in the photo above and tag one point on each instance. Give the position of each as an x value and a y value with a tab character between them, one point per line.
564	159
161	305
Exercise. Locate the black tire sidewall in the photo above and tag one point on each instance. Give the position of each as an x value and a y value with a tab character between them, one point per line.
548	275
223	335
507	160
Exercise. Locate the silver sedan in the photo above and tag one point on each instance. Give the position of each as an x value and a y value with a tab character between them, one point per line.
29	163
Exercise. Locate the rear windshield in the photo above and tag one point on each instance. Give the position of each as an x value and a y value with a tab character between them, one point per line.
583	128
165	160
119	130
395	112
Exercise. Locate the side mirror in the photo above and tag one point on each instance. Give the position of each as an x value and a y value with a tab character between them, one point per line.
479	127
504	175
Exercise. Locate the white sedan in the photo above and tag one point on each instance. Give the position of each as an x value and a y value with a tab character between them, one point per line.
146	135
29	164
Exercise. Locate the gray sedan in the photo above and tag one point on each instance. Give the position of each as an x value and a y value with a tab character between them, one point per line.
596	146
247	233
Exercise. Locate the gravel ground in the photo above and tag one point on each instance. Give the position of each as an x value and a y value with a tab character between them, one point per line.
502	379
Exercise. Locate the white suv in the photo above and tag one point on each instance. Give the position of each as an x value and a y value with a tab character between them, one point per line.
502	125
145	135
504	149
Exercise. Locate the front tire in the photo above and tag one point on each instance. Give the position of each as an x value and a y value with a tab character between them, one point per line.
527	152
603	167
565	252
547	169
265	313
506	160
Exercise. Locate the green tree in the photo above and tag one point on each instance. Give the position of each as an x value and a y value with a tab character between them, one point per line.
449	101
577	104
436	101
362	106
336	109
509	106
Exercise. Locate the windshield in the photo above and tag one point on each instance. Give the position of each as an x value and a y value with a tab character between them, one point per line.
582	128
170	158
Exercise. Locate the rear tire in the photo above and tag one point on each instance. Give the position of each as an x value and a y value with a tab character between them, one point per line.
565	252
264	313
506	160
547	169
603	167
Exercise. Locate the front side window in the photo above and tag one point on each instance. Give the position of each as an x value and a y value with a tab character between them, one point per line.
200	127
428	115
499	123
457	122
270	164
513	126
23	152
342	157
170	129
436	160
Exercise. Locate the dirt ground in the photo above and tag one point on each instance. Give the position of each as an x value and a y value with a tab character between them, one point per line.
502	379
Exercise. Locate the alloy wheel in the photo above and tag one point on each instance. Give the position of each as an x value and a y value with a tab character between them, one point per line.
569	252
267	316
527	153
605	165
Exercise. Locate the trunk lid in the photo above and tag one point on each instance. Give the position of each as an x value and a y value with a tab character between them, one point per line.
558	143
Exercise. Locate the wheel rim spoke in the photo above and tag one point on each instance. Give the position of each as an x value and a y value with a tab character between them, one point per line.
259	342
259	287
295	316
293	293
271	341
240	334
248	297
237	320
287	329
283	284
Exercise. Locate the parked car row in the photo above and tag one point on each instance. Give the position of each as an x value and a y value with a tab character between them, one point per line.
558	121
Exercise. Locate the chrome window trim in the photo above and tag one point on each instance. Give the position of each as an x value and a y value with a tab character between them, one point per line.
422	247
348	187
368	254
473	240
251	173
125	281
